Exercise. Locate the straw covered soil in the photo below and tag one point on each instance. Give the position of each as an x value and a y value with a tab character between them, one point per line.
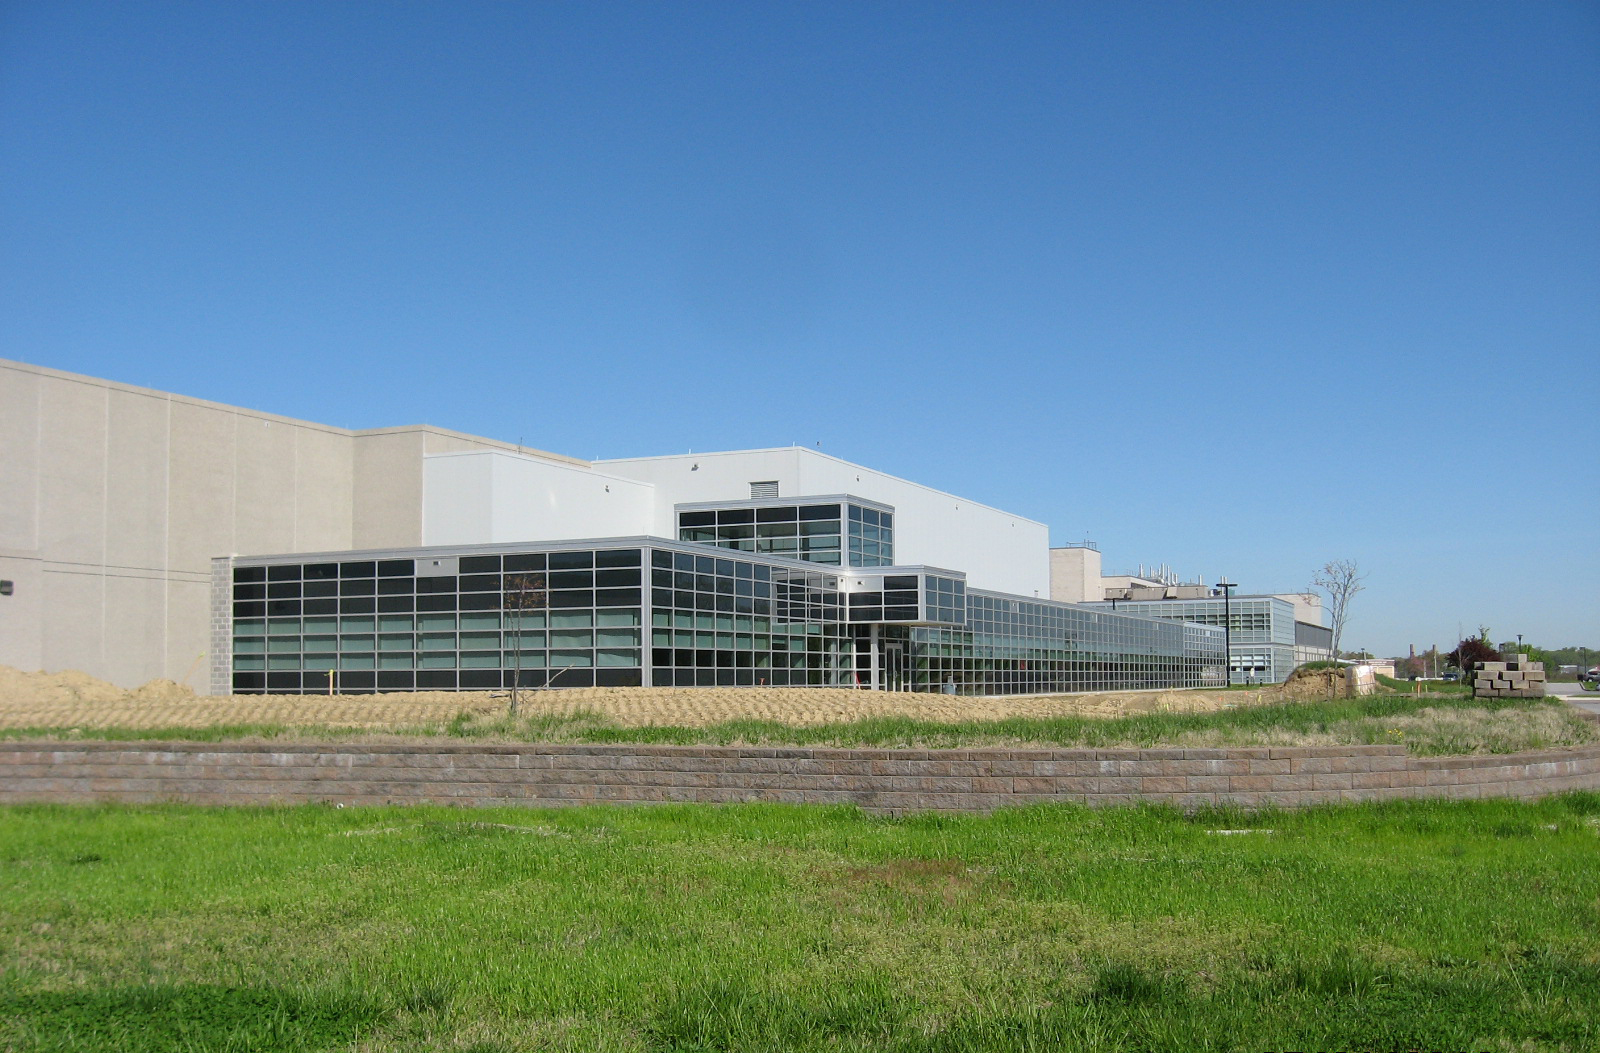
73	699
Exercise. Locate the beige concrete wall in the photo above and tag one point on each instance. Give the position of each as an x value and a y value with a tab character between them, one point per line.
1127	581
72	472
201	485
19	462
21	613
1075	575
72	622
114	500
323	490
1307	607
388	489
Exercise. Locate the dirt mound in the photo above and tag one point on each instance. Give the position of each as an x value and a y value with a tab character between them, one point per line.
1309	685
69	685
161	692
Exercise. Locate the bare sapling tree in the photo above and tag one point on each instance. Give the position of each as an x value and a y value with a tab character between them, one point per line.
523	594
1341	579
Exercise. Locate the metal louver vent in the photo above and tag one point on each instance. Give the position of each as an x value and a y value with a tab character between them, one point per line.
766	489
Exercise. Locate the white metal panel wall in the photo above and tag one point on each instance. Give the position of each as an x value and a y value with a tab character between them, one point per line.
709	477
488	496
998	550
457	499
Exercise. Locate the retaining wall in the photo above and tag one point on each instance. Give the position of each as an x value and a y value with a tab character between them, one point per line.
880	780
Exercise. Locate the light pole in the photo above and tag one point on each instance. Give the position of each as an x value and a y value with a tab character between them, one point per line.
1227	588
1519	643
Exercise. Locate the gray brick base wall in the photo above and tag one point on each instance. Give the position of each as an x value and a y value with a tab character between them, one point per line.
878	780
221	654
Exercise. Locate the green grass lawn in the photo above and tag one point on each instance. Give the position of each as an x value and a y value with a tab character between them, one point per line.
1444	687
1429	726
1412	925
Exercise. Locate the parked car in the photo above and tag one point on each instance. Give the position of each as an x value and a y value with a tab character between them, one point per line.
1452	677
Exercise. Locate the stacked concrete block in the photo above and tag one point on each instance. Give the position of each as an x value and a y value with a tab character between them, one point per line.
977	780
1516	677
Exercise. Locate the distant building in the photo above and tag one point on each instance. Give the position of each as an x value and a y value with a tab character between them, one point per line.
1271	633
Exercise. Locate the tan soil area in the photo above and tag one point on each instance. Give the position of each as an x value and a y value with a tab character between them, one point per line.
1310	685
73	699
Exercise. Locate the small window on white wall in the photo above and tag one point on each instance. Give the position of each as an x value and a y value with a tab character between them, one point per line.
766	489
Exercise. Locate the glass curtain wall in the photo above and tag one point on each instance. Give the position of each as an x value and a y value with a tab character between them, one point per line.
871	537
564	619
727	622
810	532
1264	631
1019	646
586	617
826	532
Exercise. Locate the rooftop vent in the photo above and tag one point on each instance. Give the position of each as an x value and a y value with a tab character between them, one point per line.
766	489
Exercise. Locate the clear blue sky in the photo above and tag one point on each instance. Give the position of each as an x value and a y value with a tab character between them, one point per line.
1240	288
